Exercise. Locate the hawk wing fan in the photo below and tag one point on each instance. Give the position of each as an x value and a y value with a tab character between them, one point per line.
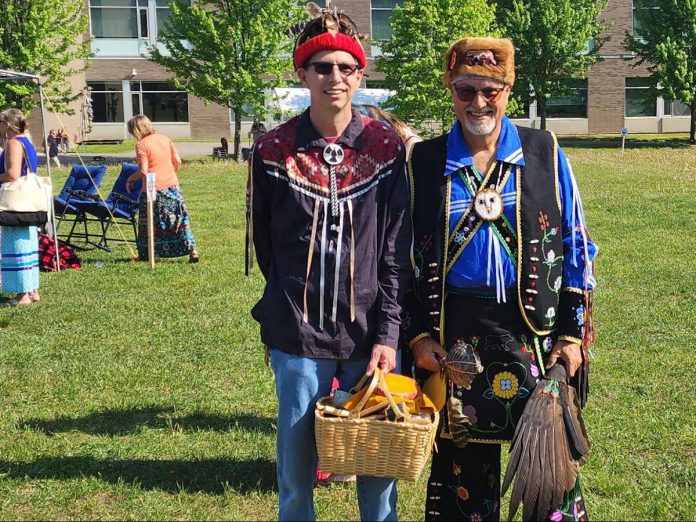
548	447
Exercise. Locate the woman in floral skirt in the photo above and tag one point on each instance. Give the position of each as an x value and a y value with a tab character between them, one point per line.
156	153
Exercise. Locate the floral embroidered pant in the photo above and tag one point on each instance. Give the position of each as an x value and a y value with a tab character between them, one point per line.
465	481
464	484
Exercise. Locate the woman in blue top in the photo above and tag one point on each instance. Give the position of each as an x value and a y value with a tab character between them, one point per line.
19	246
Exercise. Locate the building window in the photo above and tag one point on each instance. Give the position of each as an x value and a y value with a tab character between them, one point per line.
375	84
128	18
247	114
118	18
107	101
159	101
162	13
381	10
638	101
639	5
572	105
676	108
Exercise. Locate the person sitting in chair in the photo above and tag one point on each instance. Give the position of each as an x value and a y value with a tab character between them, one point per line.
219	152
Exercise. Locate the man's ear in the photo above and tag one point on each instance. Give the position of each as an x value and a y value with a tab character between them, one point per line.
302	75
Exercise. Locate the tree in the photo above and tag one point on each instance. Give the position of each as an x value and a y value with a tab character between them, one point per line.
551	38
413	58
42	37
665	39
228	51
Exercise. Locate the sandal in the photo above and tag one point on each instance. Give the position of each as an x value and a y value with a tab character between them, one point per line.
193	257
15	303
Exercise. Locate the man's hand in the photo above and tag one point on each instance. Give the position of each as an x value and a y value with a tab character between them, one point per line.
570	352
424	351
383	357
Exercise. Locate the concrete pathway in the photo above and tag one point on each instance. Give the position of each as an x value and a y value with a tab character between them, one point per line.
187	149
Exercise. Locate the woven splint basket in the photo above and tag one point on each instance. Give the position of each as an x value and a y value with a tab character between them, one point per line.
349	444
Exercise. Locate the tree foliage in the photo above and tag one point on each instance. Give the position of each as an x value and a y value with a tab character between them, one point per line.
413	58
666	41
228	51
42	37
551	38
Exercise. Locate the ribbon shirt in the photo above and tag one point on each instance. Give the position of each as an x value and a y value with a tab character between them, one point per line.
474	269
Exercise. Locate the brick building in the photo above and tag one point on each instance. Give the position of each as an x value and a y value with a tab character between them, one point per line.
123	83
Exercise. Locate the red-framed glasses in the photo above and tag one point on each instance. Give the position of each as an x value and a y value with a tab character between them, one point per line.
467	94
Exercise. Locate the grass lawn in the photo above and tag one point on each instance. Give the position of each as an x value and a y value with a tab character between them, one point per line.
132	393
105	148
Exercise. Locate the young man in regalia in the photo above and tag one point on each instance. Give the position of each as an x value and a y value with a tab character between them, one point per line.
328	213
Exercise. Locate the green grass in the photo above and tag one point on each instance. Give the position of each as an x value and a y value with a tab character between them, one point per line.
132	393
105	148
632	141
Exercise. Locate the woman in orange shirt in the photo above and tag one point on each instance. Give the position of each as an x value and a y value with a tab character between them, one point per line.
156	153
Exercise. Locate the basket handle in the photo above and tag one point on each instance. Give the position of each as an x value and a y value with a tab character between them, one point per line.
377	377
368	393
392	403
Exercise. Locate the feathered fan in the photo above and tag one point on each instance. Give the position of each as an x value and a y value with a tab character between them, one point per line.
548	447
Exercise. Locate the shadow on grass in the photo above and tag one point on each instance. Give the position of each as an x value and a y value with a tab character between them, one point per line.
614	142
124	422
192	476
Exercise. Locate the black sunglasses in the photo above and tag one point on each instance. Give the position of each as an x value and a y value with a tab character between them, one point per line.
326	68
467	94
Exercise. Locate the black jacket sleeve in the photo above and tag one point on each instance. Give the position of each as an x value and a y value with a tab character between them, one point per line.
261	197
395	271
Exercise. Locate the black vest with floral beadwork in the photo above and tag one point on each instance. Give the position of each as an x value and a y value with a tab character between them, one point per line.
539	250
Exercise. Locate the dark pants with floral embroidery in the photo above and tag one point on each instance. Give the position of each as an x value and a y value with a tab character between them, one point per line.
465	485
465	481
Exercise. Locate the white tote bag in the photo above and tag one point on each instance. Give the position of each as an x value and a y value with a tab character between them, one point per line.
25	201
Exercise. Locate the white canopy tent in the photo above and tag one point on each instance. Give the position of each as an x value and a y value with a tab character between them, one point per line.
295	100
15	76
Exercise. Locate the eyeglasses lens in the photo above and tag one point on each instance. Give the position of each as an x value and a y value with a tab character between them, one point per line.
326	68
467	94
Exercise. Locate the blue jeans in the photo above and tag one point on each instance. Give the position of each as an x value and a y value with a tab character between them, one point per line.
300	382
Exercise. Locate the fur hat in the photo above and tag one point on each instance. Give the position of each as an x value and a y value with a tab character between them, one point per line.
483	57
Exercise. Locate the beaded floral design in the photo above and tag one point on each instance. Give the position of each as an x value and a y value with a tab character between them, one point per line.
505	385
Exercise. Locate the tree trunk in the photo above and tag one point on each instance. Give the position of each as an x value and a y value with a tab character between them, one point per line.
541	110
237	132
692	130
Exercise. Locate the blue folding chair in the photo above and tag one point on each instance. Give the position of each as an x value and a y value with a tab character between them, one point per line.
82	183
119	207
